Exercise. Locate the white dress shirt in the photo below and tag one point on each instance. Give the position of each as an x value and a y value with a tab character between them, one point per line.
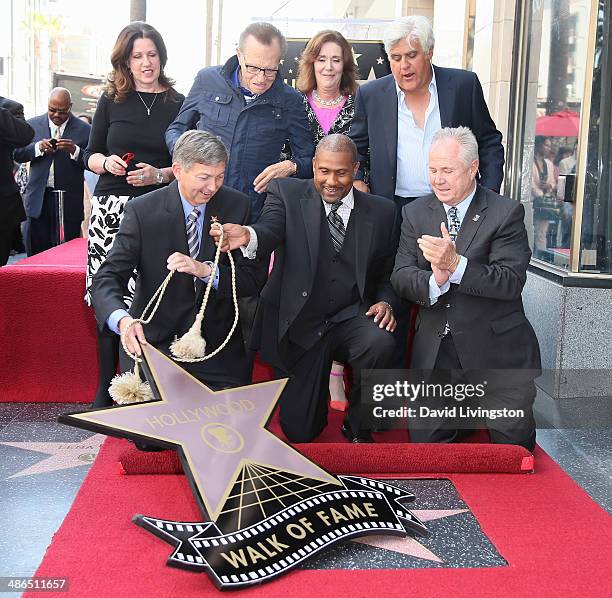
436	291
55	135
344	211
413	144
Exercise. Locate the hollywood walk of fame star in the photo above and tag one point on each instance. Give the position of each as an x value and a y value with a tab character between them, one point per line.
411	546
62	455
355	55
218	432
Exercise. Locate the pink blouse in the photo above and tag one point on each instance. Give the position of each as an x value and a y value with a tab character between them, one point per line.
326	116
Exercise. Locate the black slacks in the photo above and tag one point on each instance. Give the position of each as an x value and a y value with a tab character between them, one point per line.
6	242
41	233
357	342
503	430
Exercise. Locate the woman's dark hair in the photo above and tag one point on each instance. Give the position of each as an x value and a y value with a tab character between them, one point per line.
306	81
538	144
119	82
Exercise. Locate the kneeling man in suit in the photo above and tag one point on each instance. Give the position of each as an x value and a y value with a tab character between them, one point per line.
463	257
168	229
328	296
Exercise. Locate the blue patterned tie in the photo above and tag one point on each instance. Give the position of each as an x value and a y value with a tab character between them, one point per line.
192	233
454	225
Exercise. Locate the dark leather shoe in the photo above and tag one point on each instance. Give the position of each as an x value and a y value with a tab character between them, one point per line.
147	448
363	436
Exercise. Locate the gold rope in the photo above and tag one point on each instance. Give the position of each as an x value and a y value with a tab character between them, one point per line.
158	295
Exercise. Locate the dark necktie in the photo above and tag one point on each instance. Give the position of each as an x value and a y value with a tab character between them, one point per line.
192	233
454	225
336	226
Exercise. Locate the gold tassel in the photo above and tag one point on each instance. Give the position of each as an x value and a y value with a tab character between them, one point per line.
191	345
128	388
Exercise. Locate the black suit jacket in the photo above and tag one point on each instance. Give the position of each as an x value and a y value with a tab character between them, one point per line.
153	227
290	225
14	132
461	101
485	312
68	172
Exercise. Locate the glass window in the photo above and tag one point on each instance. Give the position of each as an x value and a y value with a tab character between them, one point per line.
596	231
555	81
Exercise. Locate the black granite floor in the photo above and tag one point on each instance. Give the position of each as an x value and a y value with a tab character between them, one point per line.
37	488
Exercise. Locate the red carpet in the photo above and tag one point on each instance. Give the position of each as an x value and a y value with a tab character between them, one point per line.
392	453
46	331
556	540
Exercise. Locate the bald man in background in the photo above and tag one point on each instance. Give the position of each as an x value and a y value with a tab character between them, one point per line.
56	162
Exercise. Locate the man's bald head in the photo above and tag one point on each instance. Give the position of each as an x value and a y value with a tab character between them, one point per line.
337	142
60	103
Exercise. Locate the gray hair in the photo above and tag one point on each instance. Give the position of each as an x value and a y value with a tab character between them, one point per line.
198	147
264	33
413	28
337	142
468	146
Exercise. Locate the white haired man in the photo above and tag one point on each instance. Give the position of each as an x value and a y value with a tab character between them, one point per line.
396	116
463	257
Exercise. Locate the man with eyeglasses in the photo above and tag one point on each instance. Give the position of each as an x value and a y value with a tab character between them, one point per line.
248	106
56	163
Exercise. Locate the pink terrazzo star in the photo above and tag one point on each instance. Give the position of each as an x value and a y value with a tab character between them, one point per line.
409	546
63	455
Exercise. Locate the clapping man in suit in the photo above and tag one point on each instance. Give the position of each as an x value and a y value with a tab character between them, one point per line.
328	296
463	257
56	163
396	117
14	132
168	229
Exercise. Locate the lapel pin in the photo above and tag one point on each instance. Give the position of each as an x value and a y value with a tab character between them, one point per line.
475	219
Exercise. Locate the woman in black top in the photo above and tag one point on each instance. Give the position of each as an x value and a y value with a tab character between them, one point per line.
128	150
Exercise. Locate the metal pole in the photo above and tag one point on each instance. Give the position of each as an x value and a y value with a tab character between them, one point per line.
59	213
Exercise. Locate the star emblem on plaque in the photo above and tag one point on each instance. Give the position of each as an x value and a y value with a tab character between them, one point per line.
267	507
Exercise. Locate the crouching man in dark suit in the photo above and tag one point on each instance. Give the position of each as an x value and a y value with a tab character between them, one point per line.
463	257
168	229
328	296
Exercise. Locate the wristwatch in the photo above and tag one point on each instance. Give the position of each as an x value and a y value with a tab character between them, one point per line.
159	176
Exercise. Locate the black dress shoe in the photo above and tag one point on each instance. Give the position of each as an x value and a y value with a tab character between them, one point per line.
363	436
147	448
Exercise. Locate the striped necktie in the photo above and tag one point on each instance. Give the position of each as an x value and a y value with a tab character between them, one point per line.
454	225
336	226
192	233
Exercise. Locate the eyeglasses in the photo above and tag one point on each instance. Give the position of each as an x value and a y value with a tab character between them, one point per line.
58	111
255	70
